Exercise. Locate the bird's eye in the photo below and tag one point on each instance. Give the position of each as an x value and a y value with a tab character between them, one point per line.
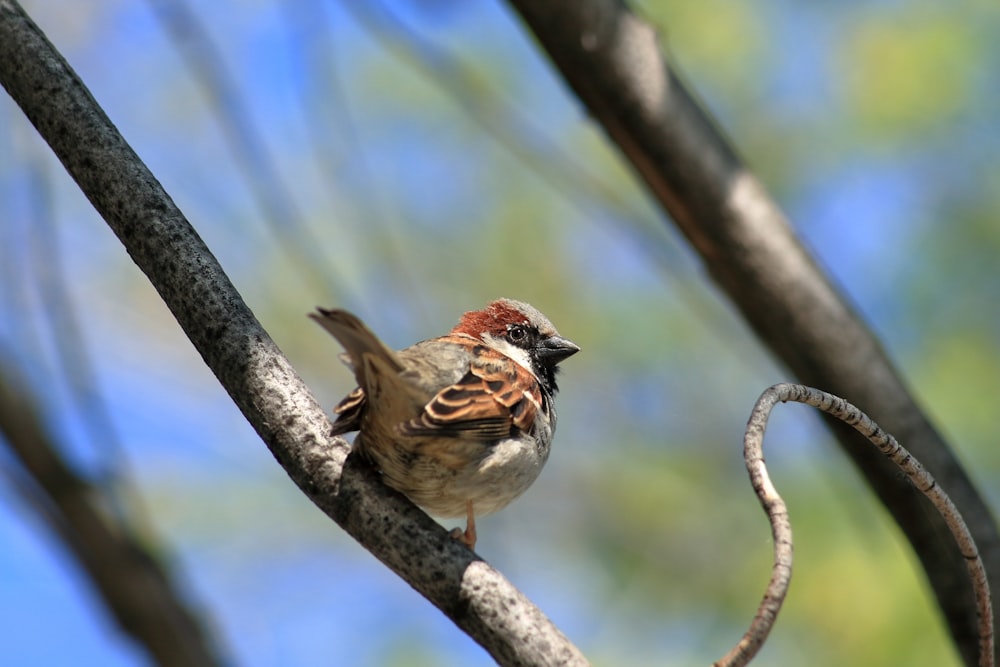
517	333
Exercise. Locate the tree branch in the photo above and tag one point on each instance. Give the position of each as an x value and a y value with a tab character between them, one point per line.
781	528
136	588
250	366
611	60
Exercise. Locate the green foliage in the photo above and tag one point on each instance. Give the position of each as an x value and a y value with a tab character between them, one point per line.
905	75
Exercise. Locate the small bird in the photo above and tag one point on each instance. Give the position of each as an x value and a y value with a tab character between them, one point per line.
460	424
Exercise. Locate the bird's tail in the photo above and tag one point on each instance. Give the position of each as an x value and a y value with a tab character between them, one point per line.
359	342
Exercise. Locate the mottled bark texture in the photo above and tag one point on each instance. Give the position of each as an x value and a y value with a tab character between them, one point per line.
251	367
612	61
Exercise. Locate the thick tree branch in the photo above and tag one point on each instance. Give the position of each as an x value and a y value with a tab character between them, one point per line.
137	589
611	60
251	367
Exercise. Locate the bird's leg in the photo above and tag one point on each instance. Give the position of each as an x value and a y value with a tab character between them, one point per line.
468	538
470	525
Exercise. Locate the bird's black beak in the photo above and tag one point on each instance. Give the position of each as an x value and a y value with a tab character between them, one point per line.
552	350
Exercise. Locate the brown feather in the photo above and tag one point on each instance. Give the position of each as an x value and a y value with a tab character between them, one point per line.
349	412
494	400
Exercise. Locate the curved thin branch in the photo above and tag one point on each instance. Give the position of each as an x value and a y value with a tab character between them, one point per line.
252	369
612	61
781	528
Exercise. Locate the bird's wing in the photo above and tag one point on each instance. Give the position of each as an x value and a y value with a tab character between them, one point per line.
495	399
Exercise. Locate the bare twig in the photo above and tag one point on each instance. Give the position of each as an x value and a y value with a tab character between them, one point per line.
612	61
781	529
252	369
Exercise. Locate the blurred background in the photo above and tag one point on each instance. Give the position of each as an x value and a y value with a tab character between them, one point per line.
413	159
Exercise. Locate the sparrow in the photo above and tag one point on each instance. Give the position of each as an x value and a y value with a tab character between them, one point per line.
461	424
